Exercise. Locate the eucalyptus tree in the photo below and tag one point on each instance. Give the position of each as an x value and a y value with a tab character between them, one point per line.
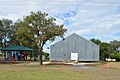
96	41
38	28
6	30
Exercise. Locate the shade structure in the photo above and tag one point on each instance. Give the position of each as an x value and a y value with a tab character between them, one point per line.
16	48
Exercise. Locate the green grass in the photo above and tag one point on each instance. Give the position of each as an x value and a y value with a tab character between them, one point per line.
103	62
39	75
56	72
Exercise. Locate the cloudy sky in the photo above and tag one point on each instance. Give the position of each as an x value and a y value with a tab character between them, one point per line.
89	18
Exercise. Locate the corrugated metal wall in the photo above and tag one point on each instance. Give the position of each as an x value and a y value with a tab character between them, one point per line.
87	51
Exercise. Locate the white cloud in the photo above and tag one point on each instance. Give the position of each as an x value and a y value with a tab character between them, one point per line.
82	31
99	18
13	17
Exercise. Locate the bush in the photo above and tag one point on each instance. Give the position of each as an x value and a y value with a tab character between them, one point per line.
112	56
118	56
115	56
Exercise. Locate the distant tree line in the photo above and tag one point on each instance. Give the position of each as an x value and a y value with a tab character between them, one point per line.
108	50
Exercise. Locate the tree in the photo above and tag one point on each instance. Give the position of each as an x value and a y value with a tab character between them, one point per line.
6	30
115	44
37	28
112	56
96	41
115	55
105	48
1	30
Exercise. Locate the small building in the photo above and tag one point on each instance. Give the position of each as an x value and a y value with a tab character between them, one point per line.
74	47
15	53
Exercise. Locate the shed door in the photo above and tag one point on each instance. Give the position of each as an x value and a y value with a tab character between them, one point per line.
74	56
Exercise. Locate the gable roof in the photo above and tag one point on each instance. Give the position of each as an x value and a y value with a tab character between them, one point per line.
16	48
74	34
84	39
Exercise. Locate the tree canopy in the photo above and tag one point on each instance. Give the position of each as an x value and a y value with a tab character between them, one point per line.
96	41
6	31
107	50
38	28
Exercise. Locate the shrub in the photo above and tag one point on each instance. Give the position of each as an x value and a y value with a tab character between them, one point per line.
115	56
112	56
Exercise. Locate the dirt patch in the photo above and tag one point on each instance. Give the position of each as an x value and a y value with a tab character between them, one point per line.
34	66
57	63
92	64
113	65
11	62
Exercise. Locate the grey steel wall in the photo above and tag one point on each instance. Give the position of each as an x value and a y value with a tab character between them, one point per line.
87	51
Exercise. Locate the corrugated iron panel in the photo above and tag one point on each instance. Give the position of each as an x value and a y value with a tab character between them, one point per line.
87	51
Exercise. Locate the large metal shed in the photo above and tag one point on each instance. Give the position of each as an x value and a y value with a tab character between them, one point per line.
63	50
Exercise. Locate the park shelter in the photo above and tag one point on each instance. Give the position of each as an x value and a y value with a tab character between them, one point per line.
74	47
14	49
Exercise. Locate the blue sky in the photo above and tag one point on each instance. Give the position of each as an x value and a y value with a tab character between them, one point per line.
89	18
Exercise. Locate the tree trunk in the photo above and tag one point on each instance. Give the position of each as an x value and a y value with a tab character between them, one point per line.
40	53
40	57
4	55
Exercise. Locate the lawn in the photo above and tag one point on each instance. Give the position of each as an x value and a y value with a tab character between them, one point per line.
33	71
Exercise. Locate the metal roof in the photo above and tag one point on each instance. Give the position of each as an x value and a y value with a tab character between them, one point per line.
16	48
